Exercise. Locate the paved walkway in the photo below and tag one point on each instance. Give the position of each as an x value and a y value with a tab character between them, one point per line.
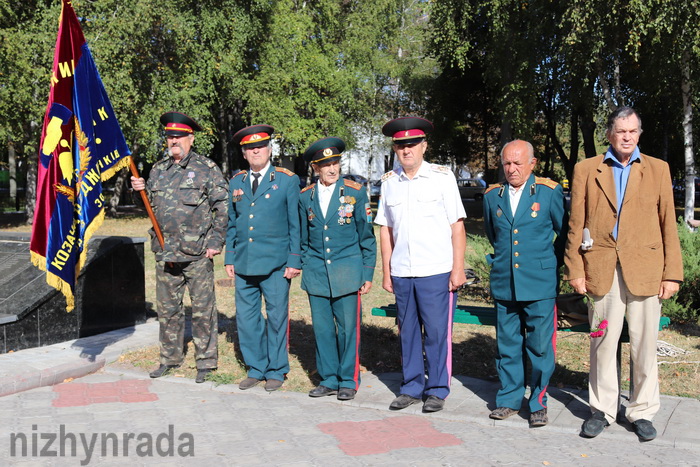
107	415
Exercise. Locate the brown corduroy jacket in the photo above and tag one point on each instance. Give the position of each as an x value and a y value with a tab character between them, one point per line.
647	245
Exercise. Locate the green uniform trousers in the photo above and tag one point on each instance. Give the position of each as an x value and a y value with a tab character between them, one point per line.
336	323
264	342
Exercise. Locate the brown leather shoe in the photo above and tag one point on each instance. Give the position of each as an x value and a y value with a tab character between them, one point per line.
273	385
248	383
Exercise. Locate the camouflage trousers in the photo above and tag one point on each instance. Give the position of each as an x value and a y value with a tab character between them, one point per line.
171	280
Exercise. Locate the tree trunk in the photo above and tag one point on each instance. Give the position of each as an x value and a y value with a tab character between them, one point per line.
588	130
689	210
546	158
223	143
30	191
573	152
12	163
118	188
506	131
568	162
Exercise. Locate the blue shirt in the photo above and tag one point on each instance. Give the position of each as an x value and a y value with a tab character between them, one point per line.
621	175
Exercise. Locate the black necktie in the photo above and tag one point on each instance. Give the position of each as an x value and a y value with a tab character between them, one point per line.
256	176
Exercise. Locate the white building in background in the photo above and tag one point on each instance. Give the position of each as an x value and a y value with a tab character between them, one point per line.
366	157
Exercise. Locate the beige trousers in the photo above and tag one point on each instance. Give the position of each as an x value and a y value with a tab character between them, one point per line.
642	315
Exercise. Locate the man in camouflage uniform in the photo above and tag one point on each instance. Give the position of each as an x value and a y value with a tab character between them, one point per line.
189	198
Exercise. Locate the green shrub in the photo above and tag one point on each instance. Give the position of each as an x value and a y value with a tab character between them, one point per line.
684	306
479	247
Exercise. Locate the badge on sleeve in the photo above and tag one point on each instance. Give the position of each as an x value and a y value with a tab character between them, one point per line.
368	211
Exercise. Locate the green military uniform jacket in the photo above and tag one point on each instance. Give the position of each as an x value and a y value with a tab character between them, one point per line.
263	228
189	200
339	250
524	265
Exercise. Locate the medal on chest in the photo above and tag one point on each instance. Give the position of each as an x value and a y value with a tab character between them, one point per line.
236	195
347	207
535	207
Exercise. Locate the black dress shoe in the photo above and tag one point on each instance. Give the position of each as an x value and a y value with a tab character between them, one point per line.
346	394
433	404
321	391
644	429
162	370
248	383
403	401
595	425
202	374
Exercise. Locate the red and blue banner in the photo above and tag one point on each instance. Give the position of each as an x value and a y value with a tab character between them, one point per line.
82	145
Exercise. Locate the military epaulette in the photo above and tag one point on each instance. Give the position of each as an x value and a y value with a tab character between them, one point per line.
493	187
439	168
548	182
239	173
352	184
388	175
284	171
308	187
208	162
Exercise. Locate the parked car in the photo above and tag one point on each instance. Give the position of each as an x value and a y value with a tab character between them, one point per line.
679	190
471	188
375	189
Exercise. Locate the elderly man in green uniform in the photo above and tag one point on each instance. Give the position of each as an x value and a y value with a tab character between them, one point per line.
263	255
189	198
522	218
338	255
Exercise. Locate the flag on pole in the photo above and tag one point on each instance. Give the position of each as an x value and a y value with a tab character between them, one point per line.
82	145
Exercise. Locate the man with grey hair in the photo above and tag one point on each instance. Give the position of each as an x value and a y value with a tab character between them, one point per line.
522	217
630	260
263	255
189	198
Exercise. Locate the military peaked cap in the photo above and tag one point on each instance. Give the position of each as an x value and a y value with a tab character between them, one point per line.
407	130
178	124
256	136
325	150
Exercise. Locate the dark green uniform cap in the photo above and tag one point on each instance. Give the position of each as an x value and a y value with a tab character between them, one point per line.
325	150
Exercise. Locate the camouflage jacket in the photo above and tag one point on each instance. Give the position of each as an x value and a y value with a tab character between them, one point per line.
190	201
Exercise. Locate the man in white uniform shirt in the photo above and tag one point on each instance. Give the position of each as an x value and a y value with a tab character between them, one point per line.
422	243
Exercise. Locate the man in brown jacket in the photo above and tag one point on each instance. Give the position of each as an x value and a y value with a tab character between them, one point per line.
631	262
